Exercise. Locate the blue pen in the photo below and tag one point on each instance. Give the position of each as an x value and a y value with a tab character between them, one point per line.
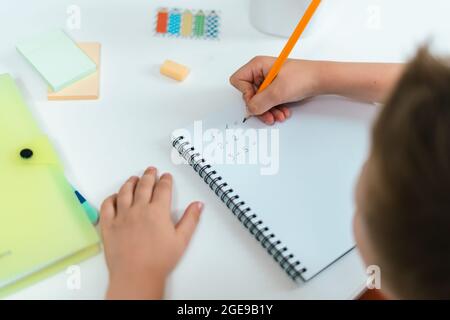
91	212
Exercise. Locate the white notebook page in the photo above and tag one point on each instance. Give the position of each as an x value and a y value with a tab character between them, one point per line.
308	204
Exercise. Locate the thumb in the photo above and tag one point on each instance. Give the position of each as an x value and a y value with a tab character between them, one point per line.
186	226
267	99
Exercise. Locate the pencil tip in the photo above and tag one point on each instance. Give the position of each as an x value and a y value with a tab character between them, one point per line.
243	121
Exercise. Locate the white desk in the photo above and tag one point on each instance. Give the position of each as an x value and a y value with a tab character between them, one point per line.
103	142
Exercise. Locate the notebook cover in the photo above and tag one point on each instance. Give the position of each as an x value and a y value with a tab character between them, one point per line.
56	58
41	219
87	88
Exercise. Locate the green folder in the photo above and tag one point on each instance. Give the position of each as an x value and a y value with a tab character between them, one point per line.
57	58
43	227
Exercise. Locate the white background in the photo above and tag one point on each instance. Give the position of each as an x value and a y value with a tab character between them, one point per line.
104	142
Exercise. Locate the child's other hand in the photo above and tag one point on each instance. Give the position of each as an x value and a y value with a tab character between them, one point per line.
142	244
297	80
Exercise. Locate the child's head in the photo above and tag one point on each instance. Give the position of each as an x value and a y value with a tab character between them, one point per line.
402	222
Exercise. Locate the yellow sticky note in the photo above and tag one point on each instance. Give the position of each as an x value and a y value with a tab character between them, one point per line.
84	89
174	70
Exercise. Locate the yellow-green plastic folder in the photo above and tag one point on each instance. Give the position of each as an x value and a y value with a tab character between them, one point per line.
43	227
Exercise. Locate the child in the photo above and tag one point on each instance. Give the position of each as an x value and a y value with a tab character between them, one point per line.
402	223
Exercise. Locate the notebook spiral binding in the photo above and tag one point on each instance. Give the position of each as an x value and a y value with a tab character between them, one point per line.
250	220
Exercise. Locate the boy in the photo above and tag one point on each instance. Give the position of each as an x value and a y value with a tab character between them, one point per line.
402	222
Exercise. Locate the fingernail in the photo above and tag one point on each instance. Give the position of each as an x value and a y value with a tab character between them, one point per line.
166	175
150	170
200	206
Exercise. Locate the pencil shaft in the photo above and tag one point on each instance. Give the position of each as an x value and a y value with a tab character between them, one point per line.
290	44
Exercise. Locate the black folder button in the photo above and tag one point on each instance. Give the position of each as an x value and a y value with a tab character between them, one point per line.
26	153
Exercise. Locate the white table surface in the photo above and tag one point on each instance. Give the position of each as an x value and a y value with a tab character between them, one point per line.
103	142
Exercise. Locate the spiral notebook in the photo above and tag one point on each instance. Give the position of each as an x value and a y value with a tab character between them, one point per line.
296	199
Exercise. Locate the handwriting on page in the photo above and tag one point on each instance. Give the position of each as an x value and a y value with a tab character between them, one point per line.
236	144
231	143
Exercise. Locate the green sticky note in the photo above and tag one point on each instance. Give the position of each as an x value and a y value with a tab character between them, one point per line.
57	58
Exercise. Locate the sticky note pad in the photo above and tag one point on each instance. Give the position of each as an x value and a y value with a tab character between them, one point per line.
174	70
57	59
84	89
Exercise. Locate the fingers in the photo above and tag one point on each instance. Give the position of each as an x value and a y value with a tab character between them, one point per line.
108	211
188	223
145	186
247	88
163	191
286	111
267	118
250	76
126	194
277	114
271	97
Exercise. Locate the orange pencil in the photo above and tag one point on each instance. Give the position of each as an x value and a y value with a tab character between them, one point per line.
284	55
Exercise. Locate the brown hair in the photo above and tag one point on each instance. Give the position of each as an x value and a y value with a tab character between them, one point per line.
407	213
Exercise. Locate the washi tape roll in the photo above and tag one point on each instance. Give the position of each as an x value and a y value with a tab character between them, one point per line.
162	19
199	24
212	25
174	22
187	23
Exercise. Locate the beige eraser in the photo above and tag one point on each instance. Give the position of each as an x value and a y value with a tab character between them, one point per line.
174	70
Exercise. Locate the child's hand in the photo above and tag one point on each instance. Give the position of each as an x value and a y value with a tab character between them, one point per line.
142	244
297	80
